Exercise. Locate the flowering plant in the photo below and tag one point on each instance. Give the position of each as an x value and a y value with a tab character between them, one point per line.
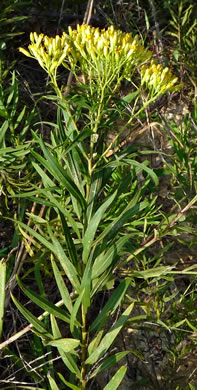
96	200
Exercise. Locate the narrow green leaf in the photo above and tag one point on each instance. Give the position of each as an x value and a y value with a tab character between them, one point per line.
153	272
52	165
109	362
95	342
37	324
104	260
44	303
93	225
2	292
67	357
3	130
62	286
52	383
112	304
67	345
144	168
47	192
110	337
116	379
131	96
47	182
20	117
191	387
70	385
75	311
94	190
86	284
133	208
80	137
67	266
69	241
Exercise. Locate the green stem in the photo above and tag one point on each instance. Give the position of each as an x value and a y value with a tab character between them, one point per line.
123	128
83	350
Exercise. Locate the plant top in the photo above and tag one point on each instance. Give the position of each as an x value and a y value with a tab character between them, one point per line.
105	56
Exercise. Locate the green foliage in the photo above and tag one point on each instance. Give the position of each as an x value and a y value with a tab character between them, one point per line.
15	122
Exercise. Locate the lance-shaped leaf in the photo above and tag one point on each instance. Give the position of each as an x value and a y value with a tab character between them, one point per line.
67	345
112	304
53	383
104	260
116	379
93	225
109	362
62	286
44	303
52	165
75	310
67	357
108	339
67	266
34	321
70	385
69	241
86	285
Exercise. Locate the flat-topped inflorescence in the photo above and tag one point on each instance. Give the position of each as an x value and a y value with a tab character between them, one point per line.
104	56
107	53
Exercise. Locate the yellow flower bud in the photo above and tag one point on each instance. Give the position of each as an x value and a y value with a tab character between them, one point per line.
25	52
35	36
105	51
53	66
70	31
32	37
50	49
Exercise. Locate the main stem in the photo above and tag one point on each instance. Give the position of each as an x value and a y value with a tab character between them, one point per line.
83	350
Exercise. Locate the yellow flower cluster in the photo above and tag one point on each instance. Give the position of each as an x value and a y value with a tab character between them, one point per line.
49	52
107	51
157	79
106	56
95	51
